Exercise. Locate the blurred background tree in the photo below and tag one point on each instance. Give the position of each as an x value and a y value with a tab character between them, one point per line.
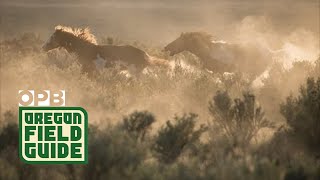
303	113
138	123
174	137
240	120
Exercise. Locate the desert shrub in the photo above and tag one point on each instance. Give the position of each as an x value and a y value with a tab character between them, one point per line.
9	147
173	138
303	113
303	167
182	171
246	168
9	134
236	82
317	68
138	123
240	120
174	171
295	174
112	153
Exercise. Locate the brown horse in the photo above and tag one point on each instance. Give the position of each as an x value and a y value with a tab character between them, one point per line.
219	56
84	45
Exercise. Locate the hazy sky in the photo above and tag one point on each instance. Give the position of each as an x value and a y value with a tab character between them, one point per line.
156	21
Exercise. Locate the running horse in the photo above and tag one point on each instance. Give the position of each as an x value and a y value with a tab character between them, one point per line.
220	56
83	43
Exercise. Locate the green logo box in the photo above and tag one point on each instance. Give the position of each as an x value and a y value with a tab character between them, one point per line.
53	135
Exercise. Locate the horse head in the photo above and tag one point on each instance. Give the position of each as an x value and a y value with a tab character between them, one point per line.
190	41
64	36
56	40
178	45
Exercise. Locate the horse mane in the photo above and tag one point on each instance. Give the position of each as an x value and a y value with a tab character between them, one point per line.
204	36
82	33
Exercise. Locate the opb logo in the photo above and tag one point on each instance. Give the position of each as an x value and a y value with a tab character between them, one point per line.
42	98
51	135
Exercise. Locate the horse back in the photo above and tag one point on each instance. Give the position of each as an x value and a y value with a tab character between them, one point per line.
127	54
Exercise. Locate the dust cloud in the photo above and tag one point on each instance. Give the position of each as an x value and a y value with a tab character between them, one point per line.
290	34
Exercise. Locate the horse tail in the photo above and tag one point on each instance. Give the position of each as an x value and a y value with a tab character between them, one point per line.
154	61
